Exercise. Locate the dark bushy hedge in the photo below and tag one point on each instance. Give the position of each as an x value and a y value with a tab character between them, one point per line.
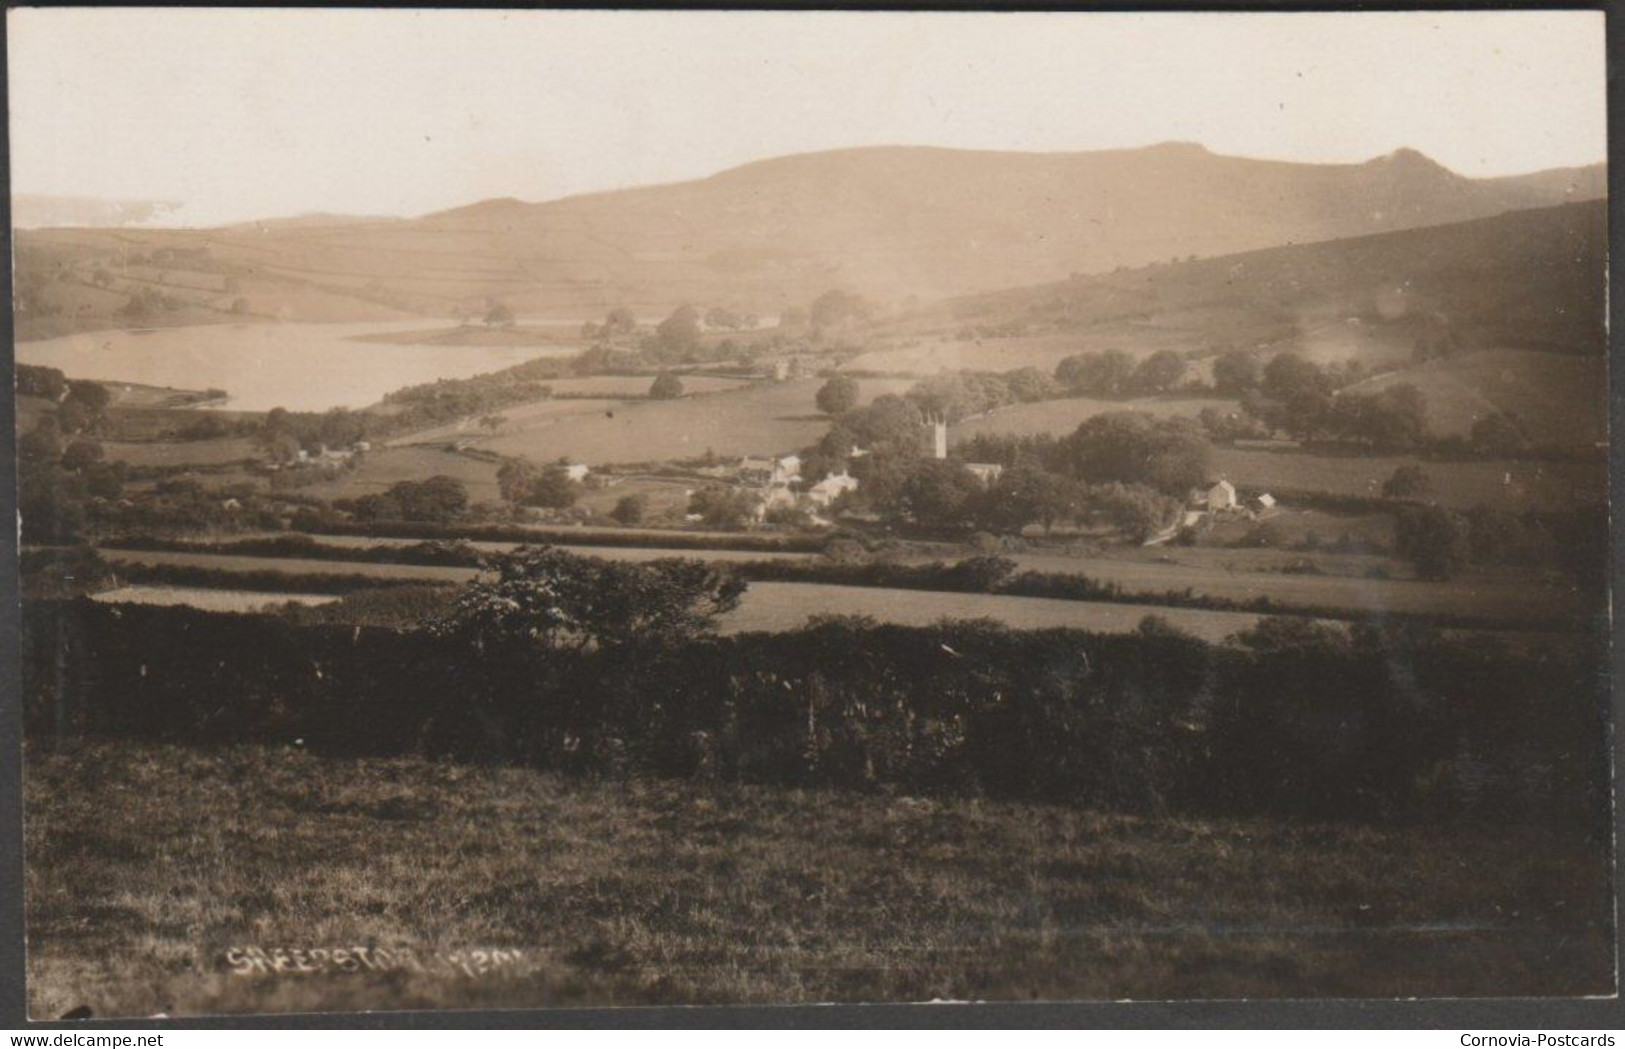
268	581
442	552
672	540
1373	729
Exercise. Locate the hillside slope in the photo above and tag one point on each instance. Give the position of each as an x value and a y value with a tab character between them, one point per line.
1532	280
888	222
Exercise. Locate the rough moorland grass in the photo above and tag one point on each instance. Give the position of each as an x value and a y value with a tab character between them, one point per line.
146	863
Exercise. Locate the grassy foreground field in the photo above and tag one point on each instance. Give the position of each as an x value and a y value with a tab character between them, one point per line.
147	864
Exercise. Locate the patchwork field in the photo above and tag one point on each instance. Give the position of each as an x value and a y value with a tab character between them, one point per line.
1527	599
928	354
211	452
786	606
1518	485
519	418
149	863
766	606
292	566
638	385
208	600
383	467
608	553
1061	417
590	396
1559	399
761	419
666	498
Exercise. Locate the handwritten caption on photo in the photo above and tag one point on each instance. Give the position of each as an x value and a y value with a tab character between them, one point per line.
306	961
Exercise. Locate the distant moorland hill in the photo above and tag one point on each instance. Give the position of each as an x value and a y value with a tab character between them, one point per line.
895	224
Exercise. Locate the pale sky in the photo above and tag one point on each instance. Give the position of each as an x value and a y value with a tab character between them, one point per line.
257	113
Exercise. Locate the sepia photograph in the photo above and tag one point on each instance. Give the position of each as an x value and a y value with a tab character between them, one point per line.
536	508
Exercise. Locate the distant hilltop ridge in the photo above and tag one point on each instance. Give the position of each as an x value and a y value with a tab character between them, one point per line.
893	223
43	210
1587	180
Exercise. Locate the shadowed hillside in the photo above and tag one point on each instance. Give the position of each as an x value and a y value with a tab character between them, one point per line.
1531	280
891	223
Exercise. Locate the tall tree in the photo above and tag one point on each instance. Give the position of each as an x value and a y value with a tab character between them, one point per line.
666	387
539	595
1103	374
838	396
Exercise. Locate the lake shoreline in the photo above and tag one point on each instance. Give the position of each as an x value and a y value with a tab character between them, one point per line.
298	367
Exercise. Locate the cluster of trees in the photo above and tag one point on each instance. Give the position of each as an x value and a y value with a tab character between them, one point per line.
81	405
960	395
437	499
680	338
942	494
36	381
282	434
1440	543
57	478
1298	397
836	307
84	408
1128	468
892	422
1113	373
889	424
524	484
1170	455
723	318
149	302
721	506
542	596
620	322
62	470
444	400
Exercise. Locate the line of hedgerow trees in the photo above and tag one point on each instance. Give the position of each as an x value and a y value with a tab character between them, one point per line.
1285	394
612	668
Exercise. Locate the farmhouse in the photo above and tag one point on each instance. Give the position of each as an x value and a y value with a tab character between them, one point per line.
577	471
1219	498
987	473
753	470
762	471
830	488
